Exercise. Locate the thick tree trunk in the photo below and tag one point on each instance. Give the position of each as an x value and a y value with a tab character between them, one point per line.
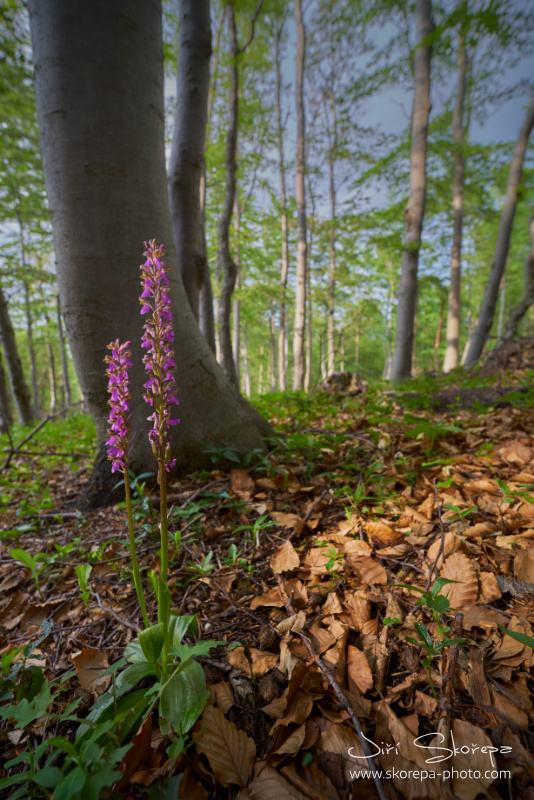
64	360
187	157
300	298
19	388
401	365
99	85
227	265
518	312
487	312
6	409
454	308
282	330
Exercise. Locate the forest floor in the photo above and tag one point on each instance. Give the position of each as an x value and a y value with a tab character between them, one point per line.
321	563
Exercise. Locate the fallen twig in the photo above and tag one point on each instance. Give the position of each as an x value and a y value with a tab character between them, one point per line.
115	616
442	542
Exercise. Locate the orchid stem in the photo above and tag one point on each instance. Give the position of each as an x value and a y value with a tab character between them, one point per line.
164	552
131	536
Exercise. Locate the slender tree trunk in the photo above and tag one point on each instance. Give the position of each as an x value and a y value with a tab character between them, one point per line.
300	298
437	338
332	274
282	330
386	374
260	372
227	265
414	340
309	299
187	156
342	350
246	371
5	399
19	388
107	193
454	308
489	303
401	365
31	347
322	363
64	360
236	306
272	340
518	312
357	350
500	321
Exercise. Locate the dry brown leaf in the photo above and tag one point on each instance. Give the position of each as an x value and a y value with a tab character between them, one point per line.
271	598
242	484
297	711
230	752
84	661
359	671
458	567
316	560
332	605
285	558
359	608
293	624
524	566
452	544
293	742
515	453
424	704
480	530
224	696
489	588
286	520
262	661
321	639
369	570
473	739
480	617
296	590
269	785
382	533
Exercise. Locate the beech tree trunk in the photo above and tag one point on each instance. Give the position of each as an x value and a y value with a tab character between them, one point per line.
19	388
454	307
236	305
332	275
487	312
401	365
64	359
227	265
99	86
518	312
5	399
300	298
282	330
187	158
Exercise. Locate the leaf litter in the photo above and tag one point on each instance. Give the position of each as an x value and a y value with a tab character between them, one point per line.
320	555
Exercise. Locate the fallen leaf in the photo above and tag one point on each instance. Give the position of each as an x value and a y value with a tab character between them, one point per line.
230	752
359	671
285	558
459	568
242	484
262	661
85	661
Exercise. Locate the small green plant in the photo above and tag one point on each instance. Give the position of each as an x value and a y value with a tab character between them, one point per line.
221	453
83	572
31	563
202	569
437	604
509	495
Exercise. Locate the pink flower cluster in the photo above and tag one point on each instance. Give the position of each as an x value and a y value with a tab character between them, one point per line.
159	361
119	429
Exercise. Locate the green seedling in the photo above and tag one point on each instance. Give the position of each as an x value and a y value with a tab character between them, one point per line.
509	495
259	525
31	563
83	572
222	453
65	550
202	569
437	604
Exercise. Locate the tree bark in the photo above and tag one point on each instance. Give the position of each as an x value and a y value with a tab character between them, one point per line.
282	329
64	360
227	264
186	161
518	312
6	408
19	388
487	312
236	305
332	274
99	86
454	307
401	365
300	298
